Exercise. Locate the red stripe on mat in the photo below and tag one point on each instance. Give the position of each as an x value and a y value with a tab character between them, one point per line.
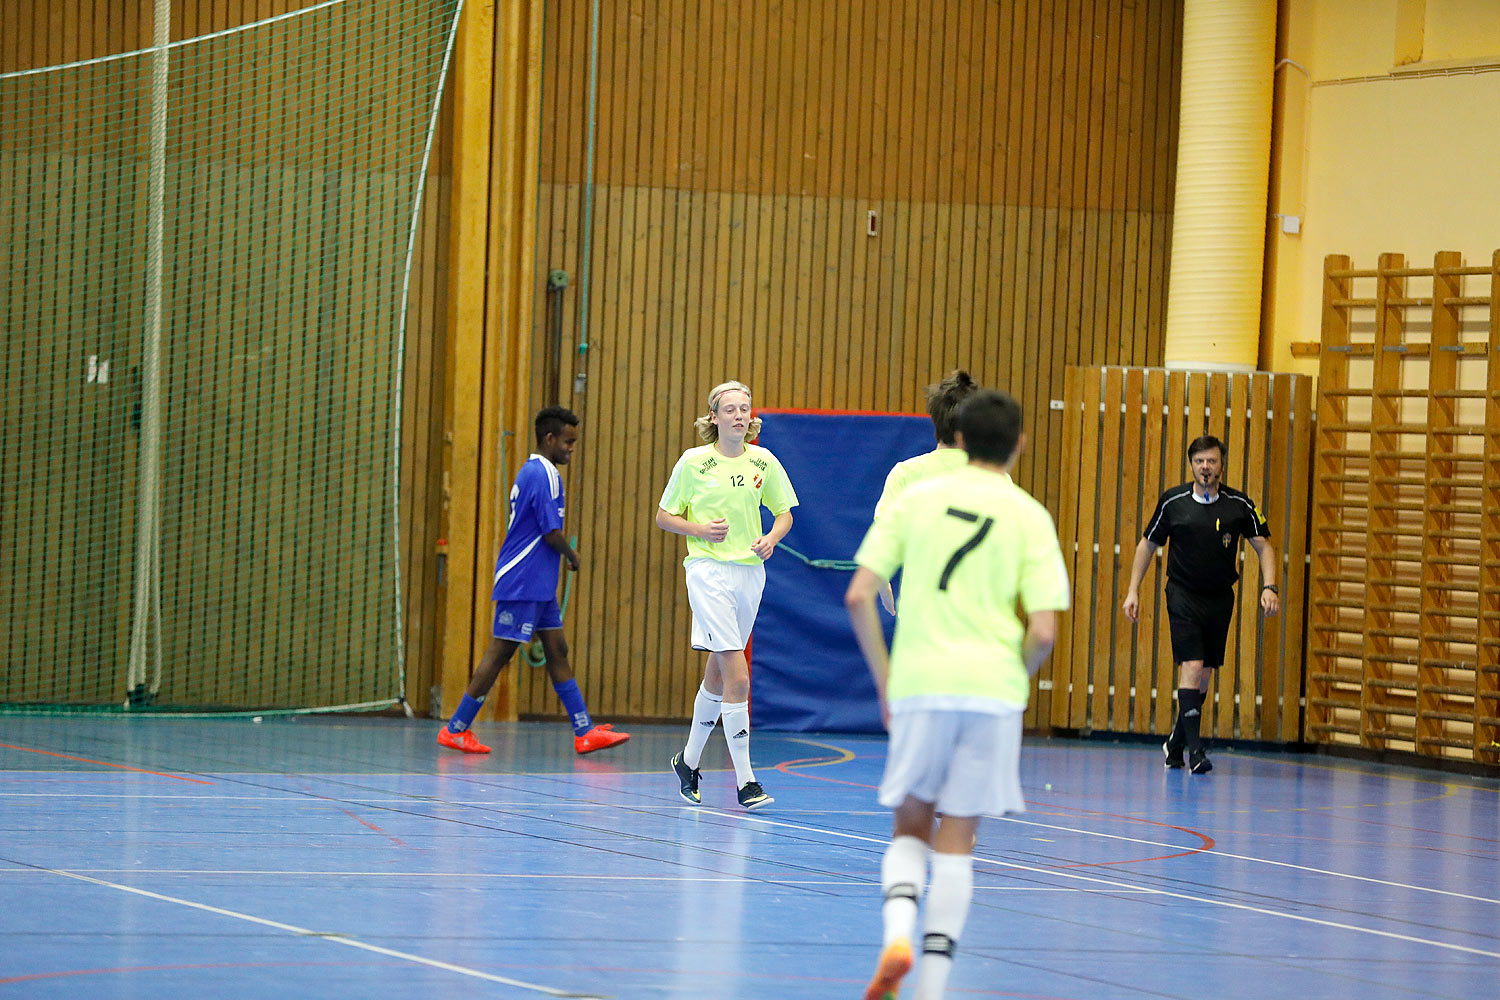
105	763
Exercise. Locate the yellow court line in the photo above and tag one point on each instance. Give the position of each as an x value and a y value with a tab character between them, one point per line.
845	755
1448	785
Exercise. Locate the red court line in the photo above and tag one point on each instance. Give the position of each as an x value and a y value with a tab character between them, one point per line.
105	763
1207	841
364	822
65	973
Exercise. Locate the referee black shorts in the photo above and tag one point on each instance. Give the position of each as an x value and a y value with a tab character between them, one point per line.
1199	623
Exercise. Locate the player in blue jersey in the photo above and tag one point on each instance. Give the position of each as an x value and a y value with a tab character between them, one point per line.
525	591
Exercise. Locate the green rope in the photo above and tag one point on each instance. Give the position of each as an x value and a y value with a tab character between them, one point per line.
533	655
844	565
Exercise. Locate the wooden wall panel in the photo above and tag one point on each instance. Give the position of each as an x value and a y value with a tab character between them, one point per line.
1017	157
1134	425
956	103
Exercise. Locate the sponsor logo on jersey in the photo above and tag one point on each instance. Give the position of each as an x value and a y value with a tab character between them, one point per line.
759	463
708	465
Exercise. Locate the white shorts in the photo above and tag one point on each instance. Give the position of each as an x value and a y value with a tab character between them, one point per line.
725	598
965	763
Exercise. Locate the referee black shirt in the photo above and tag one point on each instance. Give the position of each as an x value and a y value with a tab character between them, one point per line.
1205	549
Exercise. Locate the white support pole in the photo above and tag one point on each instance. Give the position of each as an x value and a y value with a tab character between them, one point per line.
148	498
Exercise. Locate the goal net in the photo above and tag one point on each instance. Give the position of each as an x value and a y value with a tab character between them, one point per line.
204	254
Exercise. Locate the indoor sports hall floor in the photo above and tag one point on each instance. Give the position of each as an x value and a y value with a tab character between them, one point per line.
321	857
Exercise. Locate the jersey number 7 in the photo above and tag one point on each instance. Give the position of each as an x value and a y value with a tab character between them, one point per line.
966	547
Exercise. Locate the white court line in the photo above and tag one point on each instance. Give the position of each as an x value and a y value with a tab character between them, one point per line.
321	800
555	807
335	938
1126	885
1262	861
581	806
478	876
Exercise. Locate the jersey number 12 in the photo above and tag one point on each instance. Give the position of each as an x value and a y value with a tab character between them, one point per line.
966	547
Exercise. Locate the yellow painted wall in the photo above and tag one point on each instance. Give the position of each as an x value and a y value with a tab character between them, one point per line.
1388	161
1461	29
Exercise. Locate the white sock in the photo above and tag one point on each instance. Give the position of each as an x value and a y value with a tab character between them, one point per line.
902	872
705	714
947	908
737	735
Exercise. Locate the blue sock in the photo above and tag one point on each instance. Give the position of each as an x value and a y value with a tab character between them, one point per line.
467	709
572	699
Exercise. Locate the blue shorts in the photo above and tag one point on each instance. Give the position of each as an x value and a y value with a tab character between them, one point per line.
519	621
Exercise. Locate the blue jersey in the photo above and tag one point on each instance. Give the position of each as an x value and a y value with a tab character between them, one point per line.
526	569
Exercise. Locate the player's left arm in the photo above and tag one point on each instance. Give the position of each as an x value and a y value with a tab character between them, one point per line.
779	498
1041	636
558	542
1270	598
1044	589
765	545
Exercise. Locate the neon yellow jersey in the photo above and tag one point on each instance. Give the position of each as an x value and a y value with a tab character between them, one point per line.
938	462
971	545
705	486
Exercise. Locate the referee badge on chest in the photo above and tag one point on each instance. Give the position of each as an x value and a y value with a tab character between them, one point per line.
1227	539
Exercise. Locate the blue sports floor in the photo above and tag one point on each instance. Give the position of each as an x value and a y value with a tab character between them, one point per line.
322	858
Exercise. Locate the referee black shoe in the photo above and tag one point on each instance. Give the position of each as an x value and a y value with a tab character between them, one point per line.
1199	763
1171	756
689	777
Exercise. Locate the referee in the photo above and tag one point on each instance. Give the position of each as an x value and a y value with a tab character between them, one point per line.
1204	520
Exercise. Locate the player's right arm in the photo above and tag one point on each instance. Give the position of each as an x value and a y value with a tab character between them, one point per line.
879	556
860	602
894	481
1143	553
1154	538
714	531
674	503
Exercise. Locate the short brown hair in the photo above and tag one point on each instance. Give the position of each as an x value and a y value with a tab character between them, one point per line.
943	399
1207	442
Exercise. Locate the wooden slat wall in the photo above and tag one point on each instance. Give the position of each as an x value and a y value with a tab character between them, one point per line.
35	33
1017	157
1128	429
1404	620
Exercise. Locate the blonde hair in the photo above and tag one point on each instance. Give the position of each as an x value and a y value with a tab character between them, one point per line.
707	429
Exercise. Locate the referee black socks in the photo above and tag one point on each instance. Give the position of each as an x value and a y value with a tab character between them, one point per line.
1190	717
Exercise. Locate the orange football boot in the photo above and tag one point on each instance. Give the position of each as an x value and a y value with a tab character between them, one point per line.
895	962
464	741
600	737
